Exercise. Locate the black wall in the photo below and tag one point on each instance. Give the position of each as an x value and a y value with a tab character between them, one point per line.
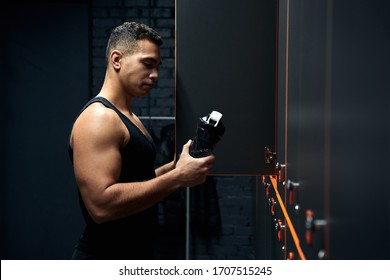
44	79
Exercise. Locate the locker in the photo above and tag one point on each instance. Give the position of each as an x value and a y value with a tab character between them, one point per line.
315	126
226	61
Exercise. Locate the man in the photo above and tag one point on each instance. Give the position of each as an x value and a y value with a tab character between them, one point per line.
113	154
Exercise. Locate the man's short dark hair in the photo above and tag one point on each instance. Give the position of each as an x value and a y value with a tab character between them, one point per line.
125	36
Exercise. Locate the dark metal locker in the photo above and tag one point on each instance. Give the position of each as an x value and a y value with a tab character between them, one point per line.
226	61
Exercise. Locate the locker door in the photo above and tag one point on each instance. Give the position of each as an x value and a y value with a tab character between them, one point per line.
226	61
336	114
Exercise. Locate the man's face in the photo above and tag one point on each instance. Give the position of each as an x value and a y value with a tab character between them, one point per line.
139	70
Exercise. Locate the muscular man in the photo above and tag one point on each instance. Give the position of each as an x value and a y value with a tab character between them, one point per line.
113	154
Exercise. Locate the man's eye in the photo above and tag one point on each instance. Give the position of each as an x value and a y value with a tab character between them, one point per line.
149	64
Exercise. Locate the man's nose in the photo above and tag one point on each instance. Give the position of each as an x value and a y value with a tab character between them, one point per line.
154	74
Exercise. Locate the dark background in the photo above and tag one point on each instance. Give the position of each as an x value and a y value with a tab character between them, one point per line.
337	142
45	80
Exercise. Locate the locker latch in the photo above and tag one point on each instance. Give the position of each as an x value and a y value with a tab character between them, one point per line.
269	156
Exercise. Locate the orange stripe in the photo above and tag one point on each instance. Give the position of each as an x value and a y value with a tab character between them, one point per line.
287	217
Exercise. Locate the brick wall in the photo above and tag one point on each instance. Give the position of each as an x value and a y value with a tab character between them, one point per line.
234	237
222	223
158	14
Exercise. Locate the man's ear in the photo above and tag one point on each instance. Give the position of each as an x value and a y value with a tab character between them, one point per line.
116	57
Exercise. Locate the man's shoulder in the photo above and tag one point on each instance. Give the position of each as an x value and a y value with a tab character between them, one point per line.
98	116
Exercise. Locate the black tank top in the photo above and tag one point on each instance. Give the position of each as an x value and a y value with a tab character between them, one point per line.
131	237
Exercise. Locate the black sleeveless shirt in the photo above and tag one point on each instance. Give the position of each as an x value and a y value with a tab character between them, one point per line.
131	237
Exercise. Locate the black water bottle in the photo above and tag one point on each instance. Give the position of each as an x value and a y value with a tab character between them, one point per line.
209	131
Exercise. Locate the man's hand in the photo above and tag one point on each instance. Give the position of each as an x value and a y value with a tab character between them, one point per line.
193	171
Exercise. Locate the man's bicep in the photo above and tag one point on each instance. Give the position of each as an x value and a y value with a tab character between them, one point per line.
96	155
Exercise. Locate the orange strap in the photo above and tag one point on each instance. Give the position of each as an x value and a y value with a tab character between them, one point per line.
287	217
